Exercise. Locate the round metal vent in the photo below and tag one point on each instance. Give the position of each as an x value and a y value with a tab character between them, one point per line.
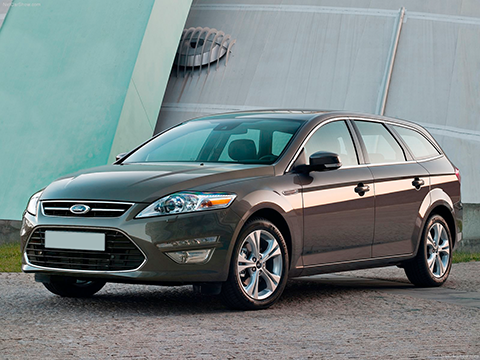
201	47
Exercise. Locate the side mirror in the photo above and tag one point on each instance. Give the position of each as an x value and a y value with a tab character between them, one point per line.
120	156
324	160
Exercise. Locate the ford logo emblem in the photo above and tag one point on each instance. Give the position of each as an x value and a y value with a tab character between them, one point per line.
79	209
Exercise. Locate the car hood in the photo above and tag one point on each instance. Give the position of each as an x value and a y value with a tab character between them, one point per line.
148	182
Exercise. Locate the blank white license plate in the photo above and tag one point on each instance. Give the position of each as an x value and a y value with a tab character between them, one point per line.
74	240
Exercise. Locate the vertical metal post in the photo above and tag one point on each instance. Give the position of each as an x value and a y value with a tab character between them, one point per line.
385	87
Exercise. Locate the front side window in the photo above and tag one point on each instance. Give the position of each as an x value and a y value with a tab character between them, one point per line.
421	148
250	141
333	137
381	146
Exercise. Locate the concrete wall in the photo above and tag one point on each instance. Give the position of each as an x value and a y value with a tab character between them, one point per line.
4	7
80	80
150	76
65	67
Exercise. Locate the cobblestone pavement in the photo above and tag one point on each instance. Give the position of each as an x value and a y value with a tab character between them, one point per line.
357	315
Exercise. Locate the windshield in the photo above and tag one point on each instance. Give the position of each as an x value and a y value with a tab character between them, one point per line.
252	141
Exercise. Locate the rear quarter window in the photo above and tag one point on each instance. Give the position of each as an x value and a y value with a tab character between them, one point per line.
380	144
420	146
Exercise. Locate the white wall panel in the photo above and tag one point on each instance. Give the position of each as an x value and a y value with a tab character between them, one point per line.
436	82
331	54
290	59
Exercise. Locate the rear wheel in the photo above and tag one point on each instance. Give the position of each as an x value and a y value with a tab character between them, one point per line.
76	288
433	262
259	267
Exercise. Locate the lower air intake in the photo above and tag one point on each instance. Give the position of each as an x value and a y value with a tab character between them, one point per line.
120	253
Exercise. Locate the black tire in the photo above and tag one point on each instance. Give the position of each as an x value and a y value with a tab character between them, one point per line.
435	249
75	288
267	282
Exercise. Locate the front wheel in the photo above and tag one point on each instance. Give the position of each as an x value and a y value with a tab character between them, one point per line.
433	262
258	269
75	288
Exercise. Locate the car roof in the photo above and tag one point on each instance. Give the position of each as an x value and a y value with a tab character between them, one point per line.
306	115
312	116
296	114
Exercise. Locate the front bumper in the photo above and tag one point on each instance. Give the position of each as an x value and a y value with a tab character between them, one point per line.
146	234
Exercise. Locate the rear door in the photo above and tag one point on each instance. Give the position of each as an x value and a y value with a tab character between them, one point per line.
401	185
338	221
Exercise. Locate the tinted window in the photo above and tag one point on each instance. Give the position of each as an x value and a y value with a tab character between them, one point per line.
333	137
381	145
279	140
186	147
252	134
417	143
246	141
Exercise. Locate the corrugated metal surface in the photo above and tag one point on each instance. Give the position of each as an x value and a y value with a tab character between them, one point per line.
304	59
333	55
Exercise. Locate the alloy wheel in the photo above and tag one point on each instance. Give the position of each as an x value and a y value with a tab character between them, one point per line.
259	265
438	250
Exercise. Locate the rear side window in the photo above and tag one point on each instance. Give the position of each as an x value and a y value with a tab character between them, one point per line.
417	143
381	146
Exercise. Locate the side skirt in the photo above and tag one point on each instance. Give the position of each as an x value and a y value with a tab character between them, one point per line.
355	265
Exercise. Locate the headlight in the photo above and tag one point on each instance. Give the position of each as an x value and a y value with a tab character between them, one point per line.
184	202
33	203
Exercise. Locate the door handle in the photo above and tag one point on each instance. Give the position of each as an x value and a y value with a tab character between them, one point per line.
418	183
361	189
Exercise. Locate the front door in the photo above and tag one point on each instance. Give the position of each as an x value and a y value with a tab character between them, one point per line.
338	220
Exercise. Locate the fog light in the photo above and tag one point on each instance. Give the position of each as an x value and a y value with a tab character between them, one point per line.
191	256
188	242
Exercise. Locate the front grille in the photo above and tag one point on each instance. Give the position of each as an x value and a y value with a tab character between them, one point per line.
120	253
97	208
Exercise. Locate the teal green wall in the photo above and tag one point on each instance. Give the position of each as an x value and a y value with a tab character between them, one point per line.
65	67
150	76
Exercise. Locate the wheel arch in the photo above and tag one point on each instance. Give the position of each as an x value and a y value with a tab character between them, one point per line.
446	213
416	269
443	209
436	202
286	219
231	287
279	221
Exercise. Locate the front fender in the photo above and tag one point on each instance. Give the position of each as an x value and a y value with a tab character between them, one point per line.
289	207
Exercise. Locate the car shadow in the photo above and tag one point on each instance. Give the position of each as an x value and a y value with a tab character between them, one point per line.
147	300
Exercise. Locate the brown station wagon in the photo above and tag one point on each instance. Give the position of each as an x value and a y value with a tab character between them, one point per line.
235	204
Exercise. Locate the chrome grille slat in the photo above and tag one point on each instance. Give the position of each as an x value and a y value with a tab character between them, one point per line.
120	253
80	254
61	208
94	266
96	209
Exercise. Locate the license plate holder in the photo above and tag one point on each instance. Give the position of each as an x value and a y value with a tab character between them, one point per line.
74	240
